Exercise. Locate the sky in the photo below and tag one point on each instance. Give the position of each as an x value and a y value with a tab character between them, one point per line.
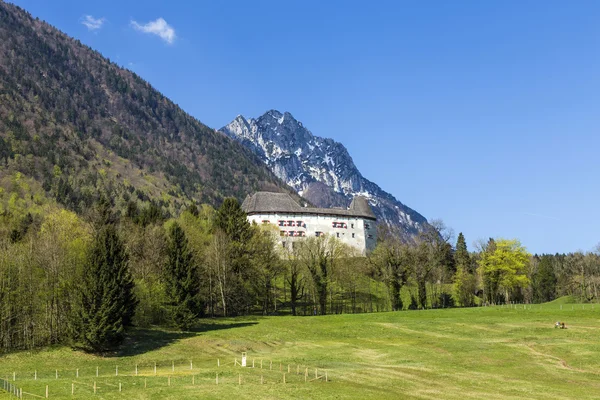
485	114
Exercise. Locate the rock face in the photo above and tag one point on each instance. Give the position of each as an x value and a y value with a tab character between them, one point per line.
319	169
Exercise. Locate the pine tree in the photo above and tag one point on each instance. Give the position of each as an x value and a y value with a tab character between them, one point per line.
464	278
543	281
106	304
461	256
232	220
182	281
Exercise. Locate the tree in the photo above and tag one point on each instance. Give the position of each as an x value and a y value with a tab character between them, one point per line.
266	265
232	221
507	265
182	280
543	280
464	279
106	304
432	254
392	260
319	255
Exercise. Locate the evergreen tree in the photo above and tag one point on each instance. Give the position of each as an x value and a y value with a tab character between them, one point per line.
461	256
232	220
464	279
182	281
106	304
543	281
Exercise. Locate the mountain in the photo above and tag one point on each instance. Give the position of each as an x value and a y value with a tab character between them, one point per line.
319	169
76	125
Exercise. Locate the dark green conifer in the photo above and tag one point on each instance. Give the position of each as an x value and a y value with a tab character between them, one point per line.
106	303
182	281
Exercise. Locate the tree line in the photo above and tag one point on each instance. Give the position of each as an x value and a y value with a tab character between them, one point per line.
85	280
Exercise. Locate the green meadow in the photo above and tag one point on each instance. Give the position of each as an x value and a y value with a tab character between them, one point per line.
485	352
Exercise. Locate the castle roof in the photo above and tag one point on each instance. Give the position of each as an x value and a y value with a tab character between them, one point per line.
268	202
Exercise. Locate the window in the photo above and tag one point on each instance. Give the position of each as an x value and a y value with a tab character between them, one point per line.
338	234
370	236
317	234
353	236
266	221
352	226
281	223
367	226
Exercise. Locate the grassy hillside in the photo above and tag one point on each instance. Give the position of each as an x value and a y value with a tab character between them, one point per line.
473	353
80	125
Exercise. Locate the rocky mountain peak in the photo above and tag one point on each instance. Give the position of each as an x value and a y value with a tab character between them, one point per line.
319	169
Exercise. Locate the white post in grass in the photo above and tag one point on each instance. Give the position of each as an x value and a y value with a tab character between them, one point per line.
96	372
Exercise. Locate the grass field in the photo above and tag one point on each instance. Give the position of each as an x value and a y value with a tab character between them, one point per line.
477	353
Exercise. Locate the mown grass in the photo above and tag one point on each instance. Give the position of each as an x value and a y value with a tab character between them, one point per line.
489	352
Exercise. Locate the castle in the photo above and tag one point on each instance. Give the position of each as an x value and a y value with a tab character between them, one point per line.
355	226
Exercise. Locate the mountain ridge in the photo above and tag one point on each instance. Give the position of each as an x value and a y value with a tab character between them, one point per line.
81	125
319	169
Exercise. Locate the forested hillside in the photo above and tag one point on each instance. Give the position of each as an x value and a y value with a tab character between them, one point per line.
79	125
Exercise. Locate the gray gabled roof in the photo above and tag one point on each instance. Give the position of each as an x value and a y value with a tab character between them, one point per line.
268	202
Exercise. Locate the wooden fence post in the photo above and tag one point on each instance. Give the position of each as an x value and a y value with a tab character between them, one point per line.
35	375
56	374
155	368
136	369
119	386
46	391
72	389
94	387
96	372
284	377
191	365
169	381
77	373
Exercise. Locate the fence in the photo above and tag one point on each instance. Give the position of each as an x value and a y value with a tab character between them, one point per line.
95	380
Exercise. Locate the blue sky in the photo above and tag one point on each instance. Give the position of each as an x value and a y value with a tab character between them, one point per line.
482	113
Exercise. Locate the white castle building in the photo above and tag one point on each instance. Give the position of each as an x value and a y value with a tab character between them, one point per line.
355	226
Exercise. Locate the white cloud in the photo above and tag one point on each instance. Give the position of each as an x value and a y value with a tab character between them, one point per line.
159	28
92	23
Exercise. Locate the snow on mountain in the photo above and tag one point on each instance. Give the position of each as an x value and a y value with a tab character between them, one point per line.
319	169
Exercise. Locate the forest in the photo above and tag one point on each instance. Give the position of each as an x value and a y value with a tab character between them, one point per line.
84	279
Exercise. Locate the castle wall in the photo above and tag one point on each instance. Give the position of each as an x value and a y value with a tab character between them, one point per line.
360	233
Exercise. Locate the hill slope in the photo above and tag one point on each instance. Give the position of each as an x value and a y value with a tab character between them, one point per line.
319	169
79	125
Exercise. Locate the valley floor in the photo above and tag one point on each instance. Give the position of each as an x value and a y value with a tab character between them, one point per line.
490	352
